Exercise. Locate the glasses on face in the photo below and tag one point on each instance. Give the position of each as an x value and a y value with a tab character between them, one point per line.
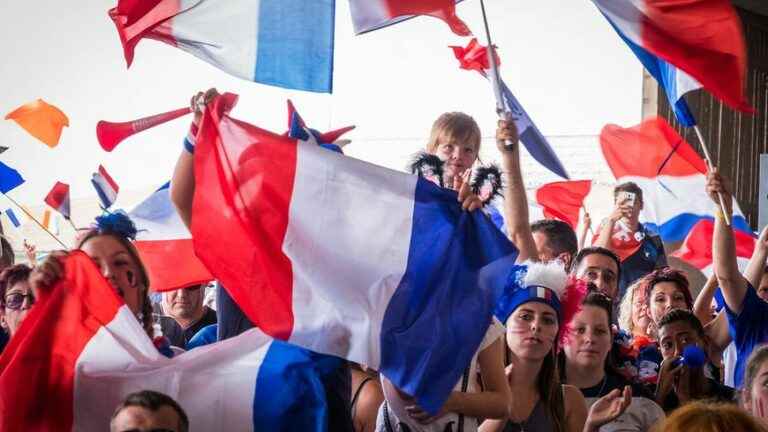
16	300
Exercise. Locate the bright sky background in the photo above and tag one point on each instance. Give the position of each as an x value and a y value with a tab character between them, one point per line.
560	57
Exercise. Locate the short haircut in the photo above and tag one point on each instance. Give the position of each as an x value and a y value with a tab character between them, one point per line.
560	235
587	251
11	276
457	125
628	187
682	315
667	274
152	401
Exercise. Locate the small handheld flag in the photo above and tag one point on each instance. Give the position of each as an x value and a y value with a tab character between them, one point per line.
12	217
58	198
47	219
105	187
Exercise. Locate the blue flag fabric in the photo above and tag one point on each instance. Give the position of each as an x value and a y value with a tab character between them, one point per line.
9	178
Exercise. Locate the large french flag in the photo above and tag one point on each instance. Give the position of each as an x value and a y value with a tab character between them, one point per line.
685	44
370	15
284	43
81	351
165	244
670	173
344	257
697	247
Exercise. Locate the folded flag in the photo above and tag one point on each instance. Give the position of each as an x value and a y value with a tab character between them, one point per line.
105	187
697	247
685	44
563	200
286	43
58	198
299	130
81	351
344	257
369	15
165	244
12	217
670	173
474	57
41	120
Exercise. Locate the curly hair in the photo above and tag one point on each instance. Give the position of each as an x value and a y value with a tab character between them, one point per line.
666	274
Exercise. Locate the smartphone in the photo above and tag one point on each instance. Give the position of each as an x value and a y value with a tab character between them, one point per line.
629	197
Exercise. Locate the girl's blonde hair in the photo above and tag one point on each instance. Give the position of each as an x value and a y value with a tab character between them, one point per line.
456	126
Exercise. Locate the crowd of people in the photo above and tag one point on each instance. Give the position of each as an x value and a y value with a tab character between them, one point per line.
587	336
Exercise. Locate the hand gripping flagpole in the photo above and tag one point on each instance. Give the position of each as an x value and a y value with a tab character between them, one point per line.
495	75
711	166
36	221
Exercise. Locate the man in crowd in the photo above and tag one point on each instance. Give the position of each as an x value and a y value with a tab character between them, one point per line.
555	240
185	314
639	250
601	267
149	411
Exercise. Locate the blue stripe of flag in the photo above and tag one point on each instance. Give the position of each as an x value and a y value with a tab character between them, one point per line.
295	44
290	395
677	228
438	310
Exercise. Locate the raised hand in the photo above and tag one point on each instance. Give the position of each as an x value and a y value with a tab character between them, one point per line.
717	184
608	408
506	131
198	102
45	275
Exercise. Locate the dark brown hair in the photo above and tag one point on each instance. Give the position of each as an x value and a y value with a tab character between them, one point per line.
152	401
667	274
628	187
11	276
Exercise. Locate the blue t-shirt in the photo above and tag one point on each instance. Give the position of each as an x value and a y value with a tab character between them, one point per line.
748	329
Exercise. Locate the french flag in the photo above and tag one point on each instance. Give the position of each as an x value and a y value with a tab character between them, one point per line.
58	198
670	173
343	257
697	247
81	351
370	15
284	43
685	45
105	186
165	244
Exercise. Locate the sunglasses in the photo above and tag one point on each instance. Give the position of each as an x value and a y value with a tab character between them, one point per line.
16	300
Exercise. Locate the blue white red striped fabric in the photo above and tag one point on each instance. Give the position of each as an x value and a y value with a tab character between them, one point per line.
370	15
285	43
344	257
81	351
105	186
685	44
58	198
163	239
670	173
